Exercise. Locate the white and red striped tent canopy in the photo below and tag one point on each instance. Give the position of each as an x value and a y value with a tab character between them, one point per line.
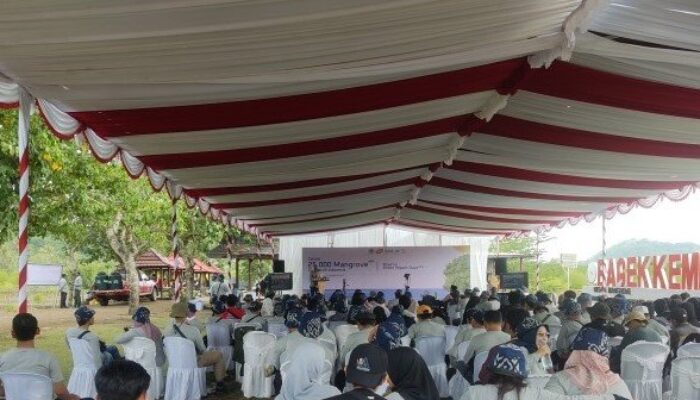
287	117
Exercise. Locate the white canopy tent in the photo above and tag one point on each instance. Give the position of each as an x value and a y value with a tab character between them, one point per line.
383	236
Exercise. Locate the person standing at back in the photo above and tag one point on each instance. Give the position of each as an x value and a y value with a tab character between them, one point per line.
77	289
27	359
63	290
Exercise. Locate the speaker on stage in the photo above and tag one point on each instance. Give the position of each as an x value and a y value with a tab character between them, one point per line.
277	266
501	266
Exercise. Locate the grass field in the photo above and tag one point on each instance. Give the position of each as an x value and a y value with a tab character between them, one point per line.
109	323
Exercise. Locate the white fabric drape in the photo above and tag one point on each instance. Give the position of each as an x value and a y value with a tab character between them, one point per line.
290	249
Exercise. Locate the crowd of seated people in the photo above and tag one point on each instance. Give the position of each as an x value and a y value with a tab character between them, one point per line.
569	343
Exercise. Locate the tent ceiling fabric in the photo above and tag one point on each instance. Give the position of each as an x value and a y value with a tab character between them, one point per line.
475	117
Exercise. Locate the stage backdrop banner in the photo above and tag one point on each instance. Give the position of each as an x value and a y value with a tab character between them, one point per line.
431	269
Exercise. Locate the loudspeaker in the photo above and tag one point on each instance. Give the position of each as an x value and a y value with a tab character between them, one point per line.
277	266
501	266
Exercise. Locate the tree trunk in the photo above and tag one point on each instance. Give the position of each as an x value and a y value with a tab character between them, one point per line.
189	277
132	277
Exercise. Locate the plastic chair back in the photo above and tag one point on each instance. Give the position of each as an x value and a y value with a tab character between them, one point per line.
685	378
405	341
143	351
538	381
689	350
16	384
642	369
462	350
432	350
479	361
277	329
219	339
255	348
450	335
185	380
82	377
342	332
240	330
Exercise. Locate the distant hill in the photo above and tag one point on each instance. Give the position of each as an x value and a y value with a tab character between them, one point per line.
644	247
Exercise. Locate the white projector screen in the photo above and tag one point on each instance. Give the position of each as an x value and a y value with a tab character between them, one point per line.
43	274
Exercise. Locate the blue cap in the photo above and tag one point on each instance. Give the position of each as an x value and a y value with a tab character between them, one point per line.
219	307
142	315
293	317
570	307
506	359
83	314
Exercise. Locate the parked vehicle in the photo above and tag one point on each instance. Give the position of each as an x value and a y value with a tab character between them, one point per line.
114	287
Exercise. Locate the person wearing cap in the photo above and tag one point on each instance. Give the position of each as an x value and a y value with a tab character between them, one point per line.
680	327
85	317
638	330
425	327
367	372
661	312
569	327
618	308
286	343
503	376
654	325
494	335
205	358
144	328
220	315
601	320
365	323
587	371
585	300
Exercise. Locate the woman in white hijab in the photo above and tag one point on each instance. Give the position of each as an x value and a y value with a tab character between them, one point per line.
302	378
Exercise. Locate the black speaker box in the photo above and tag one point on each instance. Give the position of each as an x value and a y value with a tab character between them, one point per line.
501	266
277	266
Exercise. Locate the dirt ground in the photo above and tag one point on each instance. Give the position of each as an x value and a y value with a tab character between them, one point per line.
109	323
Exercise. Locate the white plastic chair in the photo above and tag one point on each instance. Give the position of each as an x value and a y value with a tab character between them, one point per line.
185	380
685	378
457	385
277	329
219	339
143	351
255	347
462	350
479	361
615	341
82	378
16	384
450	336
553	335
689	350
342	332
405	341
642	369
538	381
432	349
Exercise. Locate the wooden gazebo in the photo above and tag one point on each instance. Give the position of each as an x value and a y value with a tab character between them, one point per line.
242	251
164	267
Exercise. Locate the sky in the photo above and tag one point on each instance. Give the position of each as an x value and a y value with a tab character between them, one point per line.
667	221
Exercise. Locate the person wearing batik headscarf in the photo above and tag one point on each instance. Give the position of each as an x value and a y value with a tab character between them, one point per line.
303	380
409	377
311	327
387	336
396	316
532	339
587	371
144	328
286	343
503	377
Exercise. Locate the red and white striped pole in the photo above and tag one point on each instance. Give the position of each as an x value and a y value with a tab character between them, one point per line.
176	253
25	105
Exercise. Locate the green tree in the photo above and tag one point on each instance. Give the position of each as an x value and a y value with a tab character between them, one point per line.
457	272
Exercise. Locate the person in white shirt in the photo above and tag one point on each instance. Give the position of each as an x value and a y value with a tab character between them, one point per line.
473	326
77	288
268	305
425	327
218	288
145	329
503	377
85	317
492	337
286	343
26	359
63	290
205	358
365	323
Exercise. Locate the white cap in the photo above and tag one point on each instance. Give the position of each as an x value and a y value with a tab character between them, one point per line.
641	309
